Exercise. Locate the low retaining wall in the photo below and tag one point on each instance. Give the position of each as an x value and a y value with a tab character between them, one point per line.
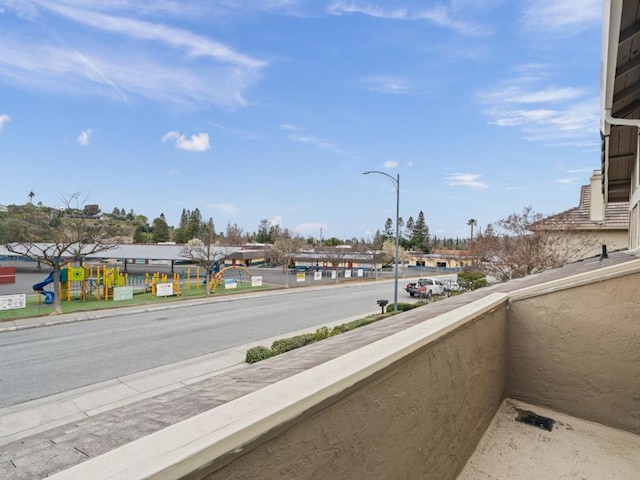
412	405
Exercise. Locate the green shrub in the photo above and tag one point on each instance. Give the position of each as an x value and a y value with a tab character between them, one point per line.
256	354
338	329
286	344
472	280
321	333
403	307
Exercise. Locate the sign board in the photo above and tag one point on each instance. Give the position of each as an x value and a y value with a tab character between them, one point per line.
333	274
12	302
164	289
360	272
256	281
300	277
317	275
347	274
122	293
230	283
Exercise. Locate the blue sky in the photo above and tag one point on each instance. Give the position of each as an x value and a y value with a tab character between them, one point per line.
253	110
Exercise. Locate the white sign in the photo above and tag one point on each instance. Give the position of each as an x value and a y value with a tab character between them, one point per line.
256	281
229	283
317	275
347	274
360	272
333	274
164	289
300	277
12	302
122	293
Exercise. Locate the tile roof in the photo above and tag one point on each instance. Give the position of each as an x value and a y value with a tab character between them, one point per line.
616	216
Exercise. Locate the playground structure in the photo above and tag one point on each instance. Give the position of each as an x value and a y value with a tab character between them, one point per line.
230	275
89	282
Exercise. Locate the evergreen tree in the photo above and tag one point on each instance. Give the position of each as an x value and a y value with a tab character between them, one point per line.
263	231
388	233
180	234
420	235
194	225
407	236
160	230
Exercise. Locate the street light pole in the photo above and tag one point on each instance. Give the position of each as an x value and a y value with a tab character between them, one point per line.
396	183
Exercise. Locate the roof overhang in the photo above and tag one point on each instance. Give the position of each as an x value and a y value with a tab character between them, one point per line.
619	96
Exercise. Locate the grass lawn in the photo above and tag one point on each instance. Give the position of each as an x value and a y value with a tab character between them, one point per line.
35	308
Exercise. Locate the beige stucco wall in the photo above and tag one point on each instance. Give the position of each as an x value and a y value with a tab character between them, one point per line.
578	351
587	243
420	419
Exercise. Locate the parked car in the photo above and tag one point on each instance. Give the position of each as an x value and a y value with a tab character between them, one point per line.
426	288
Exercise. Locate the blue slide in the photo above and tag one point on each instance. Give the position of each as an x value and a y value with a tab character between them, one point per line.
39	287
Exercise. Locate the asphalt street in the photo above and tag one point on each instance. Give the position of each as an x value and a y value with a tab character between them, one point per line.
43	361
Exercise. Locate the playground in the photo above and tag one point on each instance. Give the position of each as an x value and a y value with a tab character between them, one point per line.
90	287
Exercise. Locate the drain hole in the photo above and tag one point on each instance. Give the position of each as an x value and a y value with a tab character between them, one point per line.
525	416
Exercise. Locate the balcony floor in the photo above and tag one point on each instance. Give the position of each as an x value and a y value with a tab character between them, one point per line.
574	449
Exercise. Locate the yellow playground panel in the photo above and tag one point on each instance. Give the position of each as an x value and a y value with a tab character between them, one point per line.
228	276
98	281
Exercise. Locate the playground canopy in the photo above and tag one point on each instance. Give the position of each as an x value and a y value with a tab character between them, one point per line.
138	252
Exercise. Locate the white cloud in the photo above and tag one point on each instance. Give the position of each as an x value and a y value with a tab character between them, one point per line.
565	15
559	116
309	228
390	164
387	85
566	181
288	127
227	208
199	142
312	140
4	118
84	137
517	94
439	15
194	45
277	220
157	61
466	180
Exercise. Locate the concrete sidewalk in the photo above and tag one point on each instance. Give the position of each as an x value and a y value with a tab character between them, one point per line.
43	414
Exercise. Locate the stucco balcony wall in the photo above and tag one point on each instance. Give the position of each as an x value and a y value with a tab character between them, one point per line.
421	417
577	350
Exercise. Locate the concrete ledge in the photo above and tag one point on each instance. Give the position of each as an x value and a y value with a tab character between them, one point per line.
580	279
185	447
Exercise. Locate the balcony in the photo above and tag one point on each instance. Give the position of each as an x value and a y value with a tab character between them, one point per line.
432	393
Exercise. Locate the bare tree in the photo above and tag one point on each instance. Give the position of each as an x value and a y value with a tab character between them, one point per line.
285	249
389	254
368	252
204	251
514	247
335	256
51	236
234	235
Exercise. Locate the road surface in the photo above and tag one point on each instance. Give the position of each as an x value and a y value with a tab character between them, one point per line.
43	361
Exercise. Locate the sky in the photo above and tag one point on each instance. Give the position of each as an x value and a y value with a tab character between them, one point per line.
258	109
